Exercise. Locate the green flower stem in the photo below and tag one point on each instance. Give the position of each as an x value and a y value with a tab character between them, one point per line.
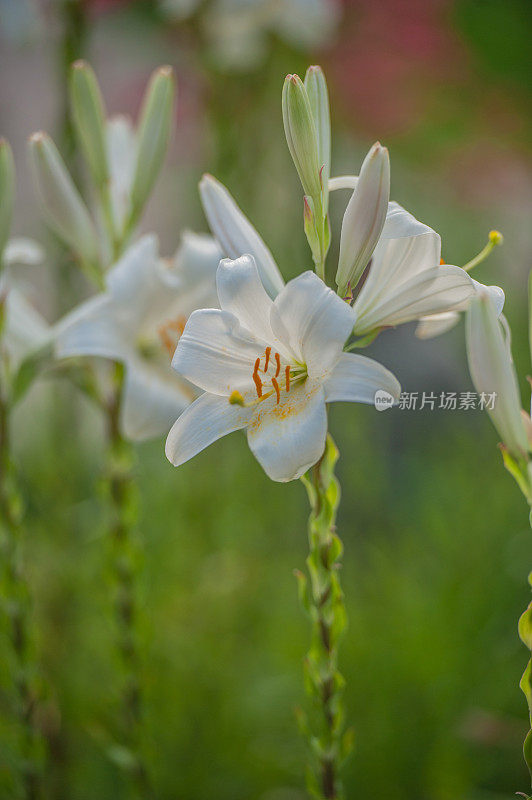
15	599
322	598
525	633
125	566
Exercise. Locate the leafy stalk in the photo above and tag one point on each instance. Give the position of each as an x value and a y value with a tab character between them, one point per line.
15	599
322	598
124	550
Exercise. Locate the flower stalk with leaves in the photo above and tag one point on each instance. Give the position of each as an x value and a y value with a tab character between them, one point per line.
24	335
493	371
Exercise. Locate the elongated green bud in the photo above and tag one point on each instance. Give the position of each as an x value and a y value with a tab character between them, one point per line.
62	204
318	96
154	131
301	135
7	193
88	113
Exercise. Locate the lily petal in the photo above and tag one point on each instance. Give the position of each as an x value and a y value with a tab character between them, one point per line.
216	353
196	259
152	400
289	437
492	370
93	329
130	281
356	378
208	418
25	329
313	322
436	324
236	234
434	290
240	291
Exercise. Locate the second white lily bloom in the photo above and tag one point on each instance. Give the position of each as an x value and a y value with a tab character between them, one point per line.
270	366
138	320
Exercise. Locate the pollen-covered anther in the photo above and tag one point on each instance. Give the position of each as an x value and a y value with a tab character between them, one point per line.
256	378
277	390
278	362
267	354
287	374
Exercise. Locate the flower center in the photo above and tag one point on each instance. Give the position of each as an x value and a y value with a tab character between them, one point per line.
269	370
170	332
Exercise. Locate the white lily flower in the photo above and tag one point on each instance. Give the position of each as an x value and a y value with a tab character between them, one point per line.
406	279
138	320
492	370
270	367
235	233
25	330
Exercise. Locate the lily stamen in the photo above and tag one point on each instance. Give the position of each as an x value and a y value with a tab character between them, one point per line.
267	353
277	390
256	379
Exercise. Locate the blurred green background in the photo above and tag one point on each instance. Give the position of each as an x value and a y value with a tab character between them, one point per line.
436	534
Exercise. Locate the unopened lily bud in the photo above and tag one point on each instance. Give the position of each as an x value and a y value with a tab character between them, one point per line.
309	222
62	204
493	373
301	135
154	131
88	113
7	193
364	218
318	96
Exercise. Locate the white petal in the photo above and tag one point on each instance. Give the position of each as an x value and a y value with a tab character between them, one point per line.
93	329
432	291
356	378
495	293
208	418
436	324
25	329
311	320
400	223
152	400
396	261
131	280
492	370
364	217
23	251
236	234
216	353
197	258
241	292
287	439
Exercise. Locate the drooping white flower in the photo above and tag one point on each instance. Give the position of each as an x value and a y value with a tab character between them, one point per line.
138	320
270	366
492	370
25	329
405	278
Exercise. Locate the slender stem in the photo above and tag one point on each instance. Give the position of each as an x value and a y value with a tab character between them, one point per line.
323	599
15	593
124	567
525	632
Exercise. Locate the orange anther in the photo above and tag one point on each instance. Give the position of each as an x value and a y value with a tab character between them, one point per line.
277	390
278	362
287	373
267	358
257	380
442	261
